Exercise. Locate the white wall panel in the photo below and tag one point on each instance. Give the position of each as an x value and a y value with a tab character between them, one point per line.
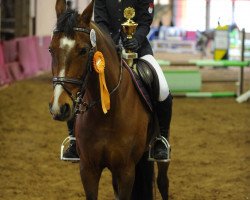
46	16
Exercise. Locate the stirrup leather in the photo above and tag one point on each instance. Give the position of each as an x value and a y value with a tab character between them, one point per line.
66	142
151	152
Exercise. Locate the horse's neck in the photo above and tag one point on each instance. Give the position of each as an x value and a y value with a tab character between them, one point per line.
112	61
111	57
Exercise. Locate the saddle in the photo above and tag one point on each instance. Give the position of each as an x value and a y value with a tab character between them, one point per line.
145	80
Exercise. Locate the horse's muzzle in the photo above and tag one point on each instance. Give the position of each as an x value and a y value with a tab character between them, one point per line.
63	114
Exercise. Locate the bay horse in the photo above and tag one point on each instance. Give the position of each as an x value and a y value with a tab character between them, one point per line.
117	140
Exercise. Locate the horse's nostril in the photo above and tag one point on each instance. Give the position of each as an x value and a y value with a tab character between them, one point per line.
65	109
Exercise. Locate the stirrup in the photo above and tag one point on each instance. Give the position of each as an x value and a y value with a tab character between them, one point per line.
66	141
151	152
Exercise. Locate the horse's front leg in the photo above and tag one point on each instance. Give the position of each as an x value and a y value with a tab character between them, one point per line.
90	179
162	180
124	178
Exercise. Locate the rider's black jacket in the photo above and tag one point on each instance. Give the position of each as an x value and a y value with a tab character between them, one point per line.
109	16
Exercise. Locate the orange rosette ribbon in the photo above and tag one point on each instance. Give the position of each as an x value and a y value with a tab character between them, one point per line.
99	66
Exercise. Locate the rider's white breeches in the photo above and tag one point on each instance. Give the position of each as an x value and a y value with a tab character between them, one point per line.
163	85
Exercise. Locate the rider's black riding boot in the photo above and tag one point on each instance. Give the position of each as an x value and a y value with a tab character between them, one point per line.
71	152
164	113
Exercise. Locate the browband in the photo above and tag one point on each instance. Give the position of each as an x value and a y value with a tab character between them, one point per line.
84	30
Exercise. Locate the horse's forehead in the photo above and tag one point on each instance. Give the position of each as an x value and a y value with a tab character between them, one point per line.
67	43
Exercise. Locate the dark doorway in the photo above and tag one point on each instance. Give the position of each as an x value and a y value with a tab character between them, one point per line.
15	15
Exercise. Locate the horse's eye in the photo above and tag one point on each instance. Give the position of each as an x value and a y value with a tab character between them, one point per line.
50	49
83	51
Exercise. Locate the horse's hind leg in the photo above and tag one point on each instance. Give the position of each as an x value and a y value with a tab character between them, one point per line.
90	180
143	184
115	186
162	179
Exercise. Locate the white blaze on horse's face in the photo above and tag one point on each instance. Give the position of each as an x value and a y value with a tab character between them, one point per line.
57	93
66	44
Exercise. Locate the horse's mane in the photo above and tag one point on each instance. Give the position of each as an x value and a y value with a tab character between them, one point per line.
67	21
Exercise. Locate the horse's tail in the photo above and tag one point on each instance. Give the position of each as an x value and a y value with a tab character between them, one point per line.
143	185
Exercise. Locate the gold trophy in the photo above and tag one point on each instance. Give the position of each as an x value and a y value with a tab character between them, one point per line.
129	28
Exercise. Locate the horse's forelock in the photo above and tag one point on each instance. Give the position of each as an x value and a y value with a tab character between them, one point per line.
67	21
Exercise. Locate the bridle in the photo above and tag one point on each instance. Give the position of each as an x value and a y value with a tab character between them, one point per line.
82	82
79	105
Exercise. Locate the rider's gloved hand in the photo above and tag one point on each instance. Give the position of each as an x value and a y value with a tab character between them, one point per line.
131	44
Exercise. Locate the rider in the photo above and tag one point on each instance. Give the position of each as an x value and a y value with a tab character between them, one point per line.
109	16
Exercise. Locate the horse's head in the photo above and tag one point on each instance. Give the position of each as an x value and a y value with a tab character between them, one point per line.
71	52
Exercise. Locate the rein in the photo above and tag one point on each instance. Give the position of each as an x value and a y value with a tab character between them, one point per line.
79	105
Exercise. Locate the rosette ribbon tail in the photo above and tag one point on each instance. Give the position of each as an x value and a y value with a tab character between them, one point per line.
99	66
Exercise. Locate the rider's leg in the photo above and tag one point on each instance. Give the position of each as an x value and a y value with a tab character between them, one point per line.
71	152
163	108
164	113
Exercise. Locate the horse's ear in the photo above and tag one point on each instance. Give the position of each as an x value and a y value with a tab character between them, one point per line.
60	7
88	12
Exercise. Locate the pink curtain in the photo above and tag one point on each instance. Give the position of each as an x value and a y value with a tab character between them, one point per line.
27	55
24	57
43	55
10	51
5	77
